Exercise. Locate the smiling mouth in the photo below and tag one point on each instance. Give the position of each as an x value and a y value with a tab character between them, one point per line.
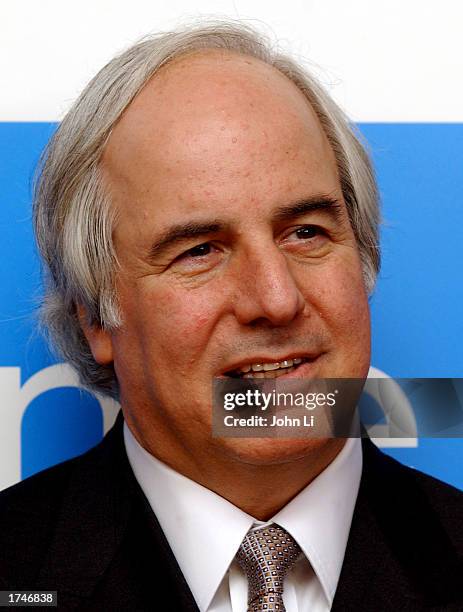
268	370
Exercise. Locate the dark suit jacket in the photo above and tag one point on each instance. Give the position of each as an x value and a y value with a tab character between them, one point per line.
85	529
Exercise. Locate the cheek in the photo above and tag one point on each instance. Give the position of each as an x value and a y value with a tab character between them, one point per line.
339	297
177	321
345	314
352	303
350	323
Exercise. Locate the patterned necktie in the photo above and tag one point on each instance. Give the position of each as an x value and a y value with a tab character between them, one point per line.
266	555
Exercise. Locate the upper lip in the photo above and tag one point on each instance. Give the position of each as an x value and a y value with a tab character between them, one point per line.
259	359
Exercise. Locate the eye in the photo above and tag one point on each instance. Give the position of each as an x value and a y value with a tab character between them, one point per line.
305	233
198	251
306	240
308	231
198	260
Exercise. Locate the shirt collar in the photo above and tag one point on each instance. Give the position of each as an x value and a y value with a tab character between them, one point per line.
193	518
320	516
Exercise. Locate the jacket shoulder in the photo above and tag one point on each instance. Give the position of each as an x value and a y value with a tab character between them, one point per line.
427	492
29	512
405	547
445	503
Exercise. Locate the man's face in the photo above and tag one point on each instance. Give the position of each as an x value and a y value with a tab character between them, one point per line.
235	249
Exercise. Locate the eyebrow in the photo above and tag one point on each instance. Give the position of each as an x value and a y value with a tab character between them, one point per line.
320	203
181	232
184	231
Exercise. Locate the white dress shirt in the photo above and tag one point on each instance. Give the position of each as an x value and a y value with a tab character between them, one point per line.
205	530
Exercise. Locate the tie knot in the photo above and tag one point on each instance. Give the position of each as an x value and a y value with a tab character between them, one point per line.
266	555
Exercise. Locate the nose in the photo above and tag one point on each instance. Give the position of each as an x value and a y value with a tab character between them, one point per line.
267	290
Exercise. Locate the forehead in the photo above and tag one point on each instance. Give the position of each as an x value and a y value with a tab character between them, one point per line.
212	123
213	86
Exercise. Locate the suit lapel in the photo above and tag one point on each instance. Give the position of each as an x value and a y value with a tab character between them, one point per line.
108	549
398	556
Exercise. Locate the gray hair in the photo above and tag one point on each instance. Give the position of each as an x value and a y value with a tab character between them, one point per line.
73	217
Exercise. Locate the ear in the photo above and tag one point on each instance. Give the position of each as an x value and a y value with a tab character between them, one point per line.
98	338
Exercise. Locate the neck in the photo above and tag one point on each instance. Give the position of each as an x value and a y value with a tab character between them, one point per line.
264	490
259	476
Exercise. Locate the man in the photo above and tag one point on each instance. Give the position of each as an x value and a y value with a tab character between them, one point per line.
205	210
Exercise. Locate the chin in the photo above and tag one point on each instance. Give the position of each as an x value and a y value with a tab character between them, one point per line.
274	451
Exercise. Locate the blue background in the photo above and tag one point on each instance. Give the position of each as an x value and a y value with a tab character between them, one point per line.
416	309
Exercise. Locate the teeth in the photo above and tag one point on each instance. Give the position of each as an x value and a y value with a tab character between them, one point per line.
269	367
272	366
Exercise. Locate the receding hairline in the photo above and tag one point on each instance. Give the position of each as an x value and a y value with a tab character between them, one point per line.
208	52
186	60
155	87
